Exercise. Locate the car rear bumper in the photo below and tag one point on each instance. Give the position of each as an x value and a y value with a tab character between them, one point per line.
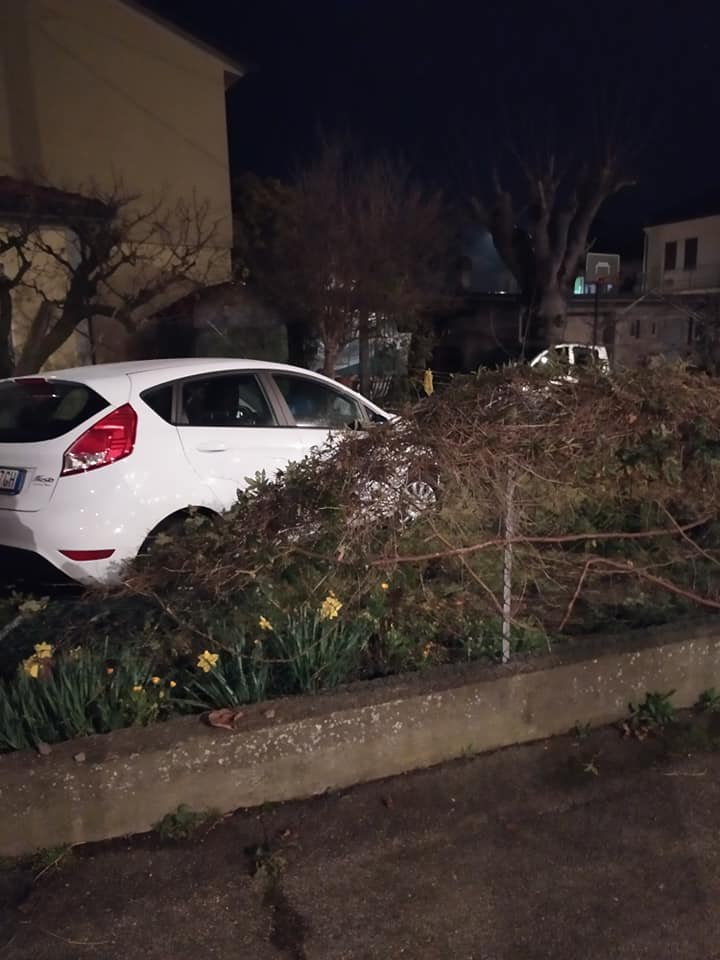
35	541
21	568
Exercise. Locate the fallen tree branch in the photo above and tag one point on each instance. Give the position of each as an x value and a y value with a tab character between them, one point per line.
535	540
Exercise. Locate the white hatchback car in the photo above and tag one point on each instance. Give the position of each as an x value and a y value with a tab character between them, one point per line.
95	460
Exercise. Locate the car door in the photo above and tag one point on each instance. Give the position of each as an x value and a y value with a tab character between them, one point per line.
318	411
230	430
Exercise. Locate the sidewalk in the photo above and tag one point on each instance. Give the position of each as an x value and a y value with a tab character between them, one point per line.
607	848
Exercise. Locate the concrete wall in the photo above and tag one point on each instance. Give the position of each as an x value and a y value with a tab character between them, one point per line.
706	274
126	782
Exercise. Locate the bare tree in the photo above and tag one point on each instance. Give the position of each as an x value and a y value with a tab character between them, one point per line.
354	246
100	255
542	228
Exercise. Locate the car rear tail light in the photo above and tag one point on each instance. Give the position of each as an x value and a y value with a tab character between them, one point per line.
87	554
109	440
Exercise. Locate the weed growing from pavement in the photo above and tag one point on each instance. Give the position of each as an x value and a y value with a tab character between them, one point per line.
708	701
266	864
581	731
185	823
653	714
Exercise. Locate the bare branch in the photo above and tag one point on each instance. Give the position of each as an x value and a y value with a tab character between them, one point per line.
108	255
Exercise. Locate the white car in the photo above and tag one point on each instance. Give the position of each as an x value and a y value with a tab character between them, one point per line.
566	356
95	460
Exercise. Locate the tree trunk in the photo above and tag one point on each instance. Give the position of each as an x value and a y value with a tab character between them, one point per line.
330	361
422	345
45	337
364	354
7	352
298	336
547	320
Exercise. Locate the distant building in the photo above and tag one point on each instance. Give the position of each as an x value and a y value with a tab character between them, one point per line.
682	252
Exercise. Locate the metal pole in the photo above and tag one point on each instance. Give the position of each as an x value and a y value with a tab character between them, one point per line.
507	568
595	317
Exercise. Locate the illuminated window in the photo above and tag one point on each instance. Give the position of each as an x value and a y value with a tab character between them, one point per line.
691	252
579	287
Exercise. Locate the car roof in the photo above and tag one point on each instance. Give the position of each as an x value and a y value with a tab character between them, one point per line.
186	367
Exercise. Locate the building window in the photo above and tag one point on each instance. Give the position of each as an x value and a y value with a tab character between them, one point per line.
671	255
691	331
691	250
635	328
653	328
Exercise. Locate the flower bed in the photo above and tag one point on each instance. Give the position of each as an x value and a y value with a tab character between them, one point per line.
565	510
69	692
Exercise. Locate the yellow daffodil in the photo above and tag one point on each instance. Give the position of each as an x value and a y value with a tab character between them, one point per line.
110	671
207	661
172	684
264	624
31	667
330	607
43	651
137	688
384	586
155	680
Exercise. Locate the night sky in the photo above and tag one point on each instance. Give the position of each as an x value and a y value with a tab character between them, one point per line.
450	84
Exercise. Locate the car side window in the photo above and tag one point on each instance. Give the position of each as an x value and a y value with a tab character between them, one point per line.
374	417
228	400
313	404
584	356
159	399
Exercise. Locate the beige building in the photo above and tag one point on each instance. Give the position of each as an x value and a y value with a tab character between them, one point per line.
682	256
101	95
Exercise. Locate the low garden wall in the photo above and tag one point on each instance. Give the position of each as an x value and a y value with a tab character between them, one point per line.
125	782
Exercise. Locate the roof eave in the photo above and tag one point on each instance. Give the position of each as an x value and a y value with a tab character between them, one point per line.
233	68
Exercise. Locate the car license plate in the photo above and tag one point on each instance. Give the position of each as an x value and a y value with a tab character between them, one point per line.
11	480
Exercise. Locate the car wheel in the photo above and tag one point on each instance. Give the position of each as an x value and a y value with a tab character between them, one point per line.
174	526
419	495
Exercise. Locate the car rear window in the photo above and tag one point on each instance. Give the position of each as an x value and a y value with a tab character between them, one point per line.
35	409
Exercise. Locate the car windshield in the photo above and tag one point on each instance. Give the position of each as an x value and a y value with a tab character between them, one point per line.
34	409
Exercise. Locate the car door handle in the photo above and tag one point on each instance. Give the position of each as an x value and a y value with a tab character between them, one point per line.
211	448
